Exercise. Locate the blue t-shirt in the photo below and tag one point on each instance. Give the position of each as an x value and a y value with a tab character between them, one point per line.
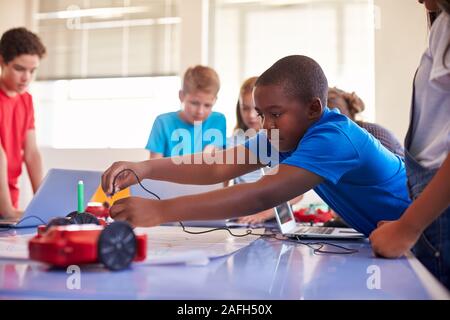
239	139
171	136
363	181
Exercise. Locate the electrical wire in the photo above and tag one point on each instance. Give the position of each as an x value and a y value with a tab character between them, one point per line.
10	227
316	250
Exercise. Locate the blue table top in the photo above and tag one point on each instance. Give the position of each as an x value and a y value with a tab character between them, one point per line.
266	269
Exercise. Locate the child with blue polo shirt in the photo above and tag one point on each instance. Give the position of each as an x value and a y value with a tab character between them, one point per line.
195	126
318	149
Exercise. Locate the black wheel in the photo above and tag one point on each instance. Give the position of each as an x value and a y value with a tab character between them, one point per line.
59	221
117	246
83	218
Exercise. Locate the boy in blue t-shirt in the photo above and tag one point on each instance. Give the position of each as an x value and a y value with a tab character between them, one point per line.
317	148
361	178
195	127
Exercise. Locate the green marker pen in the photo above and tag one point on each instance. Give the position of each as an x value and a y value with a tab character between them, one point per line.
80	196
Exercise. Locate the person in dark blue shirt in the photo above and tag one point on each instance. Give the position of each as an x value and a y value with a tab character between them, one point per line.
310	147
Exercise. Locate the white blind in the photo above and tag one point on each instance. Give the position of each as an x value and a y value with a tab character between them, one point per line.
248	36
109	38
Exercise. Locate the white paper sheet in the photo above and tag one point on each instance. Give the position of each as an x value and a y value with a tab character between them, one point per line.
15	247
166	245
173	245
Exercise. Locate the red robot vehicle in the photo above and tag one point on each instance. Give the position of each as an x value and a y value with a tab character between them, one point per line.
80	239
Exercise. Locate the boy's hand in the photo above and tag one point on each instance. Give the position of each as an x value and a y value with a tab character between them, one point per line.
258	217
392	239
14	215
138	212
123	180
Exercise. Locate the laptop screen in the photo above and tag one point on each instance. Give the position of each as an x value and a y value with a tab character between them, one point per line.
57	195
284	213
285	217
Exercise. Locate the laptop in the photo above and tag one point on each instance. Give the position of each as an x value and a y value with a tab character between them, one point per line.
167	190
290	228
56	197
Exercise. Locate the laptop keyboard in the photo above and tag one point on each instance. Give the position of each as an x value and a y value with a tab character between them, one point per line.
317	230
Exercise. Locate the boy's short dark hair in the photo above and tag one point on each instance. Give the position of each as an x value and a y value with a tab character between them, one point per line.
18	41
201	78
300	76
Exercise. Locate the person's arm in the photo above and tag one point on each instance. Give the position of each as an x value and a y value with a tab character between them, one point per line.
266	214
257	217
6	207
155	155
238	200
33	160
296	200
196	168
393	239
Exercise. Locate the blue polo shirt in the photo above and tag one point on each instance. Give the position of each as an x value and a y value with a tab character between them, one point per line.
363	181
171	136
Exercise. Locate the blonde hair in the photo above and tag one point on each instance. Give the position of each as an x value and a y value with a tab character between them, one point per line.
246	87
201	78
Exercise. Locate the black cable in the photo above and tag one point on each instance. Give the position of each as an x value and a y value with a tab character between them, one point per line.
321	244
250	231
137	179
8	228
247	232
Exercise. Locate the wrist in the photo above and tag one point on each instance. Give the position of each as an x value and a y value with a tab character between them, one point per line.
410	227
156	212
143	170
170	211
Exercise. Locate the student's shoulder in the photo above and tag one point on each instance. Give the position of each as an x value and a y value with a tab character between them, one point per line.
217	116
376	129
331	123
165	120
440	27
167	117
335	130
27	100
26	95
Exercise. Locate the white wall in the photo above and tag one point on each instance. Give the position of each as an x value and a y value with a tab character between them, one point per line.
400	40
194	33
17	13
89	159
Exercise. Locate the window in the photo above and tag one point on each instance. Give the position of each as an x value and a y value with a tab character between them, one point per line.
113	65
109	38
248	36
111	69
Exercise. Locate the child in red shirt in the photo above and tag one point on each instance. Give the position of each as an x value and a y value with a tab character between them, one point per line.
20	54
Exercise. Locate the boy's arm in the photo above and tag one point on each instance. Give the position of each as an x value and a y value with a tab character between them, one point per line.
6	207
238	200
257	217
199	168
33	160
393	239
155	155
